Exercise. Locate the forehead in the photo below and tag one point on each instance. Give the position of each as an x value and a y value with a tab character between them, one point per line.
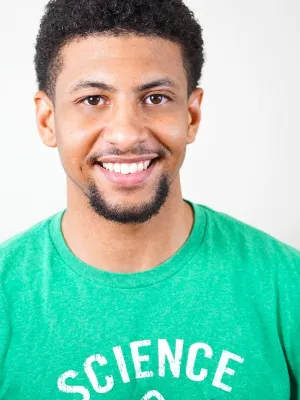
123	61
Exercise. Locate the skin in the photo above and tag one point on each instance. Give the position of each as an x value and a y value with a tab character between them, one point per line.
126	121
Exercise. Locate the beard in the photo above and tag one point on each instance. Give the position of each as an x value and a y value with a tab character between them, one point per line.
129	214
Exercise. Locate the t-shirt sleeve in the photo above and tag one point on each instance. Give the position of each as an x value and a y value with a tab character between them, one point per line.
4	331
5	325
288	276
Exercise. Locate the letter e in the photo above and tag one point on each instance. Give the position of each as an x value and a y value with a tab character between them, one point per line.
222	369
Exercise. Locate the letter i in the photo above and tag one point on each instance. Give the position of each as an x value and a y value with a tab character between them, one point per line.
121	363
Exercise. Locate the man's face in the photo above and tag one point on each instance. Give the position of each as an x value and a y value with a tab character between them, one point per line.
120	103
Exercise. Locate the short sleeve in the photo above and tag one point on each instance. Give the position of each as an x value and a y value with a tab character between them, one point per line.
288	275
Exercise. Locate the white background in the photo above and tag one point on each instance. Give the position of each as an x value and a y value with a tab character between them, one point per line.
246	160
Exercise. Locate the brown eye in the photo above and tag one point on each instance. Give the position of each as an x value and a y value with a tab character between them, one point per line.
92	100
156	99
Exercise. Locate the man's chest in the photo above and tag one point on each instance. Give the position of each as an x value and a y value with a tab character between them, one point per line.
143	353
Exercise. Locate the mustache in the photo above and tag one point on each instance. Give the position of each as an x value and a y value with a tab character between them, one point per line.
138	151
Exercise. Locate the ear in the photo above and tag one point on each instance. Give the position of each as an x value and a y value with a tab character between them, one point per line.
45	118
194	114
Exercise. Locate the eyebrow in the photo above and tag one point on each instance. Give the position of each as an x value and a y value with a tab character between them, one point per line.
158	82
85	84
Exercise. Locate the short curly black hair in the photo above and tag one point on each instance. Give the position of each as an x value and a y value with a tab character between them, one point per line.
65	20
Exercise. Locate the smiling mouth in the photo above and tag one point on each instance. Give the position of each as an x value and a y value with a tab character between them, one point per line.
127	175
127	168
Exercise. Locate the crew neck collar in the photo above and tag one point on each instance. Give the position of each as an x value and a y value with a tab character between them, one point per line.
161	272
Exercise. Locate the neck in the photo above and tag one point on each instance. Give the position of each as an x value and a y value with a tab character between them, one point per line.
129	247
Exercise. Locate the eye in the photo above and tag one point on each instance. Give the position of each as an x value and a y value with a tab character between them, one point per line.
156	99
93	100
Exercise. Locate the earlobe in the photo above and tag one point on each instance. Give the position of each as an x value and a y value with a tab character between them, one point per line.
194	114
45	118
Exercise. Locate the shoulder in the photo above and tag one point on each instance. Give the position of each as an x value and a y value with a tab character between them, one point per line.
17	249
248	241
264	266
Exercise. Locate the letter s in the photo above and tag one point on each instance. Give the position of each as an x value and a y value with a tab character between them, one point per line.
63	387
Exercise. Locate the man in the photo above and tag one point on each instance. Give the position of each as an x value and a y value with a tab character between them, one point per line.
133	292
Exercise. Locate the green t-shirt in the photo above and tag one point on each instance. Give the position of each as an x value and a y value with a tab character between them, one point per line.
218	320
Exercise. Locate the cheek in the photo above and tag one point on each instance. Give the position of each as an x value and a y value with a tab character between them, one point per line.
74	143
173	132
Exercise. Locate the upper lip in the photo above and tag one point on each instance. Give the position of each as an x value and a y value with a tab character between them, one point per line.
121	160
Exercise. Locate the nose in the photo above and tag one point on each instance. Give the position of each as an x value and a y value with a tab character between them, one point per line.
125	127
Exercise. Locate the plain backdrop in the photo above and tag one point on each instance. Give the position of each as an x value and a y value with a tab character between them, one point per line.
246	159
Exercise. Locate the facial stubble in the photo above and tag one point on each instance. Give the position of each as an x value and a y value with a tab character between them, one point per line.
134	214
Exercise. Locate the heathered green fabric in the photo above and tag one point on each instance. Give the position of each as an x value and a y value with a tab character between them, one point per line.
218	320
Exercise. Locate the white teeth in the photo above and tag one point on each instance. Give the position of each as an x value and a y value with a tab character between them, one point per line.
126	168
140	166
133	168
117	167
146	164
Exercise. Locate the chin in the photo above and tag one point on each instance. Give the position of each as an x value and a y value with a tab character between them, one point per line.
126	212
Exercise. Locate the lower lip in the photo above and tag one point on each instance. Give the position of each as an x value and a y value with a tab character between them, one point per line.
128	179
